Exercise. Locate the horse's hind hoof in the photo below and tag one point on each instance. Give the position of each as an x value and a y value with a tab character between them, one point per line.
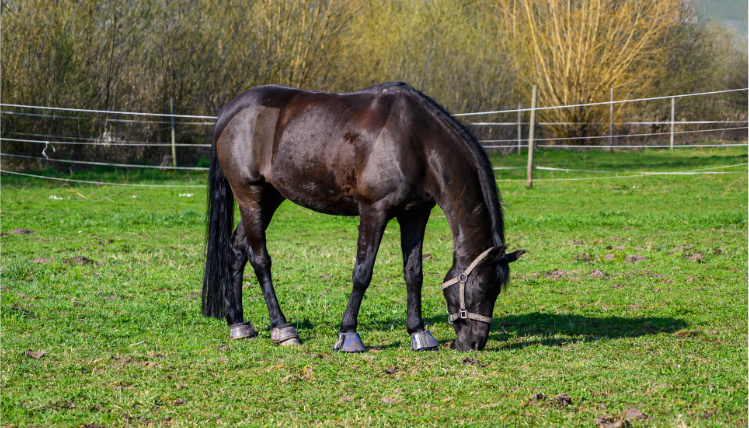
424	341
284	336
242	330
349	342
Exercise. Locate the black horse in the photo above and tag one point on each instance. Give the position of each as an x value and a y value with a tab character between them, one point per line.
385	152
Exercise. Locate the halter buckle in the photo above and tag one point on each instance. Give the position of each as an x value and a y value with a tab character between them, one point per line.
463	314
463	277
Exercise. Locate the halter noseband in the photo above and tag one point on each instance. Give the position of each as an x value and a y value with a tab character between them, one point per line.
461	280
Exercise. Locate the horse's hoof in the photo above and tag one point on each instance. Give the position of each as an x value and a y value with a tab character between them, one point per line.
242	330
424	341
284	336
349	342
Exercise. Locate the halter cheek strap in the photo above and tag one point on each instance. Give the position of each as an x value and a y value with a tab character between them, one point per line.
461	280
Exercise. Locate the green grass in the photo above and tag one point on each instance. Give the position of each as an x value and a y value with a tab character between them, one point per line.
124	342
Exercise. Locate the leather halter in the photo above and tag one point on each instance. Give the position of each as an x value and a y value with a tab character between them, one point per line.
461	280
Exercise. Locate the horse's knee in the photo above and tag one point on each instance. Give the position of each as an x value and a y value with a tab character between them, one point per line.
413	276
362	277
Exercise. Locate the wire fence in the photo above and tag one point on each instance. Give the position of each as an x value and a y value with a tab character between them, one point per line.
602	103
106	149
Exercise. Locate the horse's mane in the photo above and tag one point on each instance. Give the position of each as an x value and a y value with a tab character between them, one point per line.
492	197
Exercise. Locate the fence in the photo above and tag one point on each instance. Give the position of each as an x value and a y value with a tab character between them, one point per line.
110	143
729	126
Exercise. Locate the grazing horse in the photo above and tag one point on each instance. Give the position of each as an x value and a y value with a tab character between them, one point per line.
384	152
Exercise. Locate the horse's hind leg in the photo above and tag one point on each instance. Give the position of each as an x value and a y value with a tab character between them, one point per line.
257	205
412	240
233	296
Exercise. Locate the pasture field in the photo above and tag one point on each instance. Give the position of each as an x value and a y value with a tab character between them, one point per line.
632	295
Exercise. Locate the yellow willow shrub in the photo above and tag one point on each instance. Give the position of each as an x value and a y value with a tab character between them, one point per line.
577	50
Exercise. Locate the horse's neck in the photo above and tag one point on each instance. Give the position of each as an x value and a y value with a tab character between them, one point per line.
468	217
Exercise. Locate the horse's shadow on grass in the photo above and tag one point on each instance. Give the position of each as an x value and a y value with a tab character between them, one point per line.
545	329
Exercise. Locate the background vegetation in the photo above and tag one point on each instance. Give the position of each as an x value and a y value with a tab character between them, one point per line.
478	55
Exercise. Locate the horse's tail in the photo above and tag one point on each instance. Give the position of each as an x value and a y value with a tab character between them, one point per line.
219	224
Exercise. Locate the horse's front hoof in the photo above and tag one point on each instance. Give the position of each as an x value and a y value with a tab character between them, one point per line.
284	336
242	330
349	342
424	341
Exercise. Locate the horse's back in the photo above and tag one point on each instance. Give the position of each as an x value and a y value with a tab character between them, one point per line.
325	151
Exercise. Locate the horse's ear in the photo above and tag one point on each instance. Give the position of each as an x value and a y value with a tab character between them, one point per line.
509	258
496	254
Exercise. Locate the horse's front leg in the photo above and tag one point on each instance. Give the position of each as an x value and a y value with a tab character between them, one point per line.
371	227
412	240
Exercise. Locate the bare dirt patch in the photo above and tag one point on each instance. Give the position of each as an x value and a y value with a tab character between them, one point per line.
538	397
557	274
679	249
23	310
585	257
42	260
37	355
21	232
563	399
696	257
123	360
80	260
610	422
634	258
469	360
598	274
634	413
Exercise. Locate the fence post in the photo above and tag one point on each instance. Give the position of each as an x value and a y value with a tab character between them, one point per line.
611	123
174	149
520	128
530	137
673	104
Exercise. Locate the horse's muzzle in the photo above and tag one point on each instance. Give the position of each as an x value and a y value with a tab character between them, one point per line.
471	336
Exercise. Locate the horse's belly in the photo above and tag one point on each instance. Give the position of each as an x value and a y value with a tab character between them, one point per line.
321	198
325	188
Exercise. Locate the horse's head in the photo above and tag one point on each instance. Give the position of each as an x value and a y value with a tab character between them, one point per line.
471	296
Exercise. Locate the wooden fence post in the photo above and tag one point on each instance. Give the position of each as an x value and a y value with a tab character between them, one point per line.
530	136
174	149
673	104
611	123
